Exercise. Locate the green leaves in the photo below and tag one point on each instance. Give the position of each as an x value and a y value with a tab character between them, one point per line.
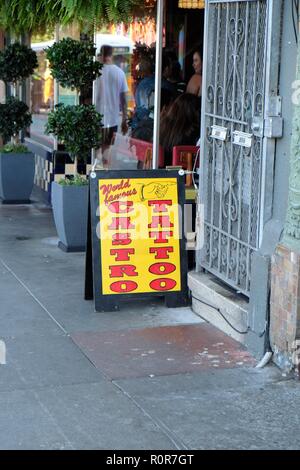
72	63
21	16
78	180
17	62
78	127
14	148
14	117
25	16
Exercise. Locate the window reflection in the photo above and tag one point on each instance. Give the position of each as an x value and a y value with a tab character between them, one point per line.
42	90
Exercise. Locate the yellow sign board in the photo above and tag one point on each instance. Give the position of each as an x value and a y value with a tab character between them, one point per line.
139	233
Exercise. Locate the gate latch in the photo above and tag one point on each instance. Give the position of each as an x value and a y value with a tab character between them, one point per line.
274	121
257	126
273	127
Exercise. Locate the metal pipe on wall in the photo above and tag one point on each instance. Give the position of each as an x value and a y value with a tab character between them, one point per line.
158	71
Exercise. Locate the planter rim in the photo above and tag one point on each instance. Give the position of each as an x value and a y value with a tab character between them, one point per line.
10	154
71	186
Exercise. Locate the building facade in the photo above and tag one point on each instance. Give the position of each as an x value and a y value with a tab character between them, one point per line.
250	66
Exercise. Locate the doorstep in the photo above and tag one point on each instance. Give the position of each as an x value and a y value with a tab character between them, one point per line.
213	295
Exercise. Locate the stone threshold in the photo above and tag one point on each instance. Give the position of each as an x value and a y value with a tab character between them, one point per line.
209	295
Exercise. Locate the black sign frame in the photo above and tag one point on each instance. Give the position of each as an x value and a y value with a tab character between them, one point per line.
93	281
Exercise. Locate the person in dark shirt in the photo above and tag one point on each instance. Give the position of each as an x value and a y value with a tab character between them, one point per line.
144	127
180	125
145	92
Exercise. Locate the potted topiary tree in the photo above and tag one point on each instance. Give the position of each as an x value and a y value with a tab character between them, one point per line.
72	63
17	62
78	127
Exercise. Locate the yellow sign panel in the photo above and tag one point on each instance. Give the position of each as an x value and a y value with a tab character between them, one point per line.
139	235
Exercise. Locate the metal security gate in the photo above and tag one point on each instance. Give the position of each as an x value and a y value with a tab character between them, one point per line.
235	129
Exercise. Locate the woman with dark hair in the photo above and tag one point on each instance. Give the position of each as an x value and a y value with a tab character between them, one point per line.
195	83
180	125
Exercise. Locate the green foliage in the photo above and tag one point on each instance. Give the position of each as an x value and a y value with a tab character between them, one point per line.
17	62
14	117
27	16
77	127
14	148
72	63
101	12
77	180
36	15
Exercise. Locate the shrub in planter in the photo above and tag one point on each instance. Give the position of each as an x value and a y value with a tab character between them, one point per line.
17	62
16	162
14	117
79	129
72	63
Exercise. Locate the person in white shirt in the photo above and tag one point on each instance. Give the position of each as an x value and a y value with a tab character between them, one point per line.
111	89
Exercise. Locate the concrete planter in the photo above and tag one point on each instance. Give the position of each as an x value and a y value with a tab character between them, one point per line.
16	177
70	210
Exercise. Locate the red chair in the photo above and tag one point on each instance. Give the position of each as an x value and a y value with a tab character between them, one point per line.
134	150
184	156
144	151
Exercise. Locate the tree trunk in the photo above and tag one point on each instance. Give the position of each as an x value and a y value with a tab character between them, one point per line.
75	166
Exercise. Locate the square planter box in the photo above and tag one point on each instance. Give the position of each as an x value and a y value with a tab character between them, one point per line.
16	177
70	211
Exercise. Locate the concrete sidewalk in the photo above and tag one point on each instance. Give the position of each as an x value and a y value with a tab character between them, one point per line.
146	377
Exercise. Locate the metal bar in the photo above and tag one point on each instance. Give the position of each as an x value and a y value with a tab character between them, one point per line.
231	167
214	143
225	118
273	38
228	281
252	151
223	232
241	162
203	146
158	71
94	89
224	143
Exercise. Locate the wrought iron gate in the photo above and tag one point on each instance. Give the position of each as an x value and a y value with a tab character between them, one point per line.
233	133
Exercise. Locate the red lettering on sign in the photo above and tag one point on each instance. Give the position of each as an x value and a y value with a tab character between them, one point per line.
120	222
124	269
162	251
160	206
121	239
161	237
162	284
160	221
162	268
123	286
120	207
122	254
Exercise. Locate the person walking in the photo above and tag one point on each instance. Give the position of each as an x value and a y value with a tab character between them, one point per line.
111	90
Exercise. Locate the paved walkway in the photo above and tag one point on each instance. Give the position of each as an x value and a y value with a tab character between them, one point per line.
146	377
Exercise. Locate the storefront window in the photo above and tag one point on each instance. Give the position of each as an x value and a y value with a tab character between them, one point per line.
44	96
42	89
134	54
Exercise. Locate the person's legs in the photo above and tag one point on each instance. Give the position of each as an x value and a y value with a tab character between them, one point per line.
107	141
